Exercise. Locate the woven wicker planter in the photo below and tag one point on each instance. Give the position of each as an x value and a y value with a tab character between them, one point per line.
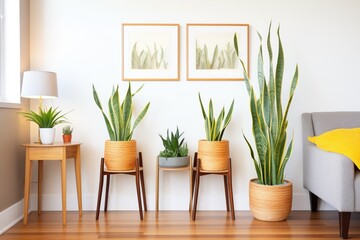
270	203
213	155
120	155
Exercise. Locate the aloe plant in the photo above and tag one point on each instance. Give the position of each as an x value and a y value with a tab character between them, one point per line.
46	118
119	122
215	128
269	121
174	145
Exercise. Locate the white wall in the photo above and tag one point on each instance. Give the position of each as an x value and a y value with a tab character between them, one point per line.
81	41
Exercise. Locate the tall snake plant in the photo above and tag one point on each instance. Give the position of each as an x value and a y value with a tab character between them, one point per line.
269	121
215	128
119	122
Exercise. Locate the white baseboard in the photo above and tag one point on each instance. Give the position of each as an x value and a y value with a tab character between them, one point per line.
10	216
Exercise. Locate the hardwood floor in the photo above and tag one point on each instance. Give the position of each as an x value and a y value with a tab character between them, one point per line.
177	225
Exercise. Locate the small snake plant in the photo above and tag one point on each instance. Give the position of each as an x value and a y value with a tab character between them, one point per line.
119	121
269	122
215	128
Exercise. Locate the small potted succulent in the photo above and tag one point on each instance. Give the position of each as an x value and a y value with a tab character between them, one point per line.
67	133
176	151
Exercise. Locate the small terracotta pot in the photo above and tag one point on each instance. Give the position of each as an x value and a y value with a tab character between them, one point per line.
67	138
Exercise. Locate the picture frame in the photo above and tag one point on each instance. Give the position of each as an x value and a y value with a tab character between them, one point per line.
150	52
211	53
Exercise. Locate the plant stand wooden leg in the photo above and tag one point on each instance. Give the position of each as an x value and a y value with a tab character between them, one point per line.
231	197
193	173
197	185
344	223
190	186
108	179
226	189
142	182
157	190
137	179
101	181
231	191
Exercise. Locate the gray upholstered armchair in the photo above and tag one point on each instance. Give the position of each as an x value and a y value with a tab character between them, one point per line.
329	176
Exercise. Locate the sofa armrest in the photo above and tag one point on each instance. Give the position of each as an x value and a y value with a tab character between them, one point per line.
328	175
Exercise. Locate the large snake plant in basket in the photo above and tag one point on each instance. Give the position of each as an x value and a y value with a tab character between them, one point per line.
270	196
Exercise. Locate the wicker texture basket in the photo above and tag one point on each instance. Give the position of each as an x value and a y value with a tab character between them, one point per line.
270	203
120	155
213	155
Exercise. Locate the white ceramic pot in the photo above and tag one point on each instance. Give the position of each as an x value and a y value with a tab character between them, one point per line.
47	135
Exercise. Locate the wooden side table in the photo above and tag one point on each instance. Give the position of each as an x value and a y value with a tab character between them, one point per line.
158	168
56	151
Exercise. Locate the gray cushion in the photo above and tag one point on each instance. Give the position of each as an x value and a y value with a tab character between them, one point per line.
325	121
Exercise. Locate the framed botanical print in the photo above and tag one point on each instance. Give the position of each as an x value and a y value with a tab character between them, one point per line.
211	52
150	51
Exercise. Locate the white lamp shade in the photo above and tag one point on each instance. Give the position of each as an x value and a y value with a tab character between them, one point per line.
38	84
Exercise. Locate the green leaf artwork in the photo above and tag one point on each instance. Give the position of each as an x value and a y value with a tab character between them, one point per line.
148	58
222	57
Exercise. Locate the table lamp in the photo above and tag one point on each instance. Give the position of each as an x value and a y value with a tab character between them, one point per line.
39	84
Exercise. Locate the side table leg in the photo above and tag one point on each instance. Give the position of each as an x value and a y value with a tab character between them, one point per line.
40	184
28	164
63	187
78	179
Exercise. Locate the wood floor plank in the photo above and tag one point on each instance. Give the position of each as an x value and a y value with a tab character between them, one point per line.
178	225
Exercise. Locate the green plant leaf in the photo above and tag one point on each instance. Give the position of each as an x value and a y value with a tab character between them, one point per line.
279	77
257	165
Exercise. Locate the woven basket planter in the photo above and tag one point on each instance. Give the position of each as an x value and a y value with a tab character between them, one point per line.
213	155
270	203
120	155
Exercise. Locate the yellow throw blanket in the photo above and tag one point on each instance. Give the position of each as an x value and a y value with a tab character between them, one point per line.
345	141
